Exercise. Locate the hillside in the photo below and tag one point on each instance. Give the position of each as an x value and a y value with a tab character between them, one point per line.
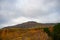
24	34
26	31
32	24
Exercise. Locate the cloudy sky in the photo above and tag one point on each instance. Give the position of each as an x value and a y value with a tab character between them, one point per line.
18	11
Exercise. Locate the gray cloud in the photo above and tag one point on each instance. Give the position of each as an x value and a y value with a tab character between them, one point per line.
45	11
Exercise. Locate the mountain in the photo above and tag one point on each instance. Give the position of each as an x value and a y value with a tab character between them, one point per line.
26	31
32	24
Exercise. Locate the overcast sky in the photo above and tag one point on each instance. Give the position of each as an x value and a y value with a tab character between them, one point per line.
18	11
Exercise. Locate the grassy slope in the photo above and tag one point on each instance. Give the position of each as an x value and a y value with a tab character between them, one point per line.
23	34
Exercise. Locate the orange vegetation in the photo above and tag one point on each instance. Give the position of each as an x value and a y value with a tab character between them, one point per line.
24	34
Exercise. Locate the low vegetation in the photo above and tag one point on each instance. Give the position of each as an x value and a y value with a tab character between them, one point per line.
36	32
56	32
47	31
24	34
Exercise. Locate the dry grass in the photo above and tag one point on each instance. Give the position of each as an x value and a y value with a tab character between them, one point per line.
24	34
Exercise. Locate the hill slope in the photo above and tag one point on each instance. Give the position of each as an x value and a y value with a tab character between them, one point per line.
32	24
25	31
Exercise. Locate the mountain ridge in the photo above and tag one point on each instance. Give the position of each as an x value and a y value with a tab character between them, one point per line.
31	24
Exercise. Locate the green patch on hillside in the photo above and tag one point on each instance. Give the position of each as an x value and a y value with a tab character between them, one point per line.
47	31
57	32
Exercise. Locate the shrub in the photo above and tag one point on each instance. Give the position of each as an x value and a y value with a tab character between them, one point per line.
57	32
47	31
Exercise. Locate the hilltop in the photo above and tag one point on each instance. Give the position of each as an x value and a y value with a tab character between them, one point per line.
32	24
